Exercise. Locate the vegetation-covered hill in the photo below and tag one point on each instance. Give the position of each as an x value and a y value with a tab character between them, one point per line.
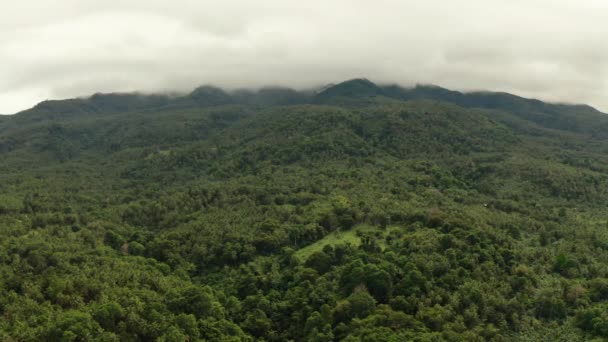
358	213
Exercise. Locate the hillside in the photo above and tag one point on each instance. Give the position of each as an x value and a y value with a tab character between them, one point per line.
360	212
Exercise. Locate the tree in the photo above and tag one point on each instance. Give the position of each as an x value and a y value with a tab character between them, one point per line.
74	326
256	323
319	261
108	315
361	303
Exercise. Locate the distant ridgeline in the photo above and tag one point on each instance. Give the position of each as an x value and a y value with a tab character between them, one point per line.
357	212
354	92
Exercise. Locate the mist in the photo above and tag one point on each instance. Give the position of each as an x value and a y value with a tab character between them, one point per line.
551	50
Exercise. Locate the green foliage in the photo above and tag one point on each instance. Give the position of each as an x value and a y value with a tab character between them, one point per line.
363	213
594	320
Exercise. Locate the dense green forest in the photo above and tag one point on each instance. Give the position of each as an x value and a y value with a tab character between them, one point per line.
356	213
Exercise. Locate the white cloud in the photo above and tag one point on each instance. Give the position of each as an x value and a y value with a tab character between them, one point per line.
549	49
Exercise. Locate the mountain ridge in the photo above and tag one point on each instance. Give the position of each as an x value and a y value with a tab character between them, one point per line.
355	93
392	90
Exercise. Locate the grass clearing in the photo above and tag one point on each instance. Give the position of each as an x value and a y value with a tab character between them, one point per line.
344	236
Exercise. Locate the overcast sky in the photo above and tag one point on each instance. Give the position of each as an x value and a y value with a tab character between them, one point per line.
549	49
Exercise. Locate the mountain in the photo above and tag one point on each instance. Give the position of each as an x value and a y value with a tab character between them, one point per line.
209	96
558	116
355	87
357	212
271	96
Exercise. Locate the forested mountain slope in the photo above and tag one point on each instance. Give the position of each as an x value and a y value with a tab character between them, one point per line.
360	212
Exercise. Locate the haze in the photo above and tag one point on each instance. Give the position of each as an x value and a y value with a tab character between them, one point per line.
551	50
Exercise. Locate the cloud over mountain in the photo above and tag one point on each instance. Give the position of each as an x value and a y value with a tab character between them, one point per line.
553	50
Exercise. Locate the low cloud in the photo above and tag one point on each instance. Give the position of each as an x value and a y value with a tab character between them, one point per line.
549	49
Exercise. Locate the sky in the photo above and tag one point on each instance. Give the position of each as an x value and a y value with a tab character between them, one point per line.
554	50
